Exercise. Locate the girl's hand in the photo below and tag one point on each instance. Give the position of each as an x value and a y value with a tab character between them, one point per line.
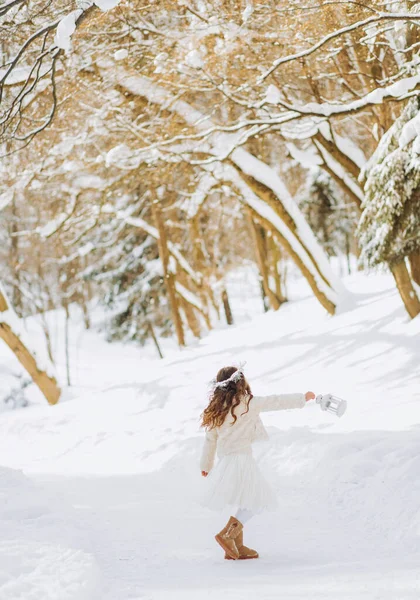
309	396
204	473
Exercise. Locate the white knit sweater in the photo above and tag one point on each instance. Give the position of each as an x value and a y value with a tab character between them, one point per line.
248	428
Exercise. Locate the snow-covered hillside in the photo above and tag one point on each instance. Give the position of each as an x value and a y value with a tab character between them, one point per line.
106	505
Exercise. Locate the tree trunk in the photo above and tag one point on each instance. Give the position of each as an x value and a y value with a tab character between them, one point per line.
266	303
66	341
154	338
298	250
200	264
83	303
414	260
168	275
192	306
87	295
345	161
348	254
226	306
47	336
275	259
46	383
307	274
405	288
193	322
339	181
260	253
14	258
214	303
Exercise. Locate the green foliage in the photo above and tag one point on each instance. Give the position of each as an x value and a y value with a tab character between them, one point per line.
327	213
128	272
389	228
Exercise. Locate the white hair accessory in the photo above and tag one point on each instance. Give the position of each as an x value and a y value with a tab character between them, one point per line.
235	377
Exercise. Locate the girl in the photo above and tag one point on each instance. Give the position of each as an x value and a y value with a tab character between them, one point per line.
232	421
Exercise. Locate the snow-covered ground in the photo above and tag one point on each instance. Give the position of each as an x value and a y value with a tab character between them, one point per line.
106	505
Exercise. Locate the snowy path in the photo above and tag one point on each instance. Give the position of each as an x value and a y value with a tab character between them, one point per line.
108	512
149	546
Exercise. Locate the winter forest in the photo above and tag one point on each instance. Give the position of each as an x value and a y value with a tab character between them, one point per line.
187	184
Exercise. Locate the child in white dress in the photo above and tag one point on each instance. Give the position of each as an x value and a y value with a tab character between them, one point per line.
232	421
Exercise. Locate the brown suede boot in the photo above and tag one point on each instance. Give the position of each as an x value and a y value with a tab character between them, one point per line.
226	537
244	552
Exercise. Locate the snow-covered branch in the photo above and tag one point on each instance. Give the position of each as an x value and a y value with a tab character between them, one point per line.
250	167
4	8
174	251
334	35
40	57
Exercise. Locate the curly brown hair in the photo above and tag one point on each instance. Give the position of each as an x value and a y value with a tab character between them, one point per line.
225	399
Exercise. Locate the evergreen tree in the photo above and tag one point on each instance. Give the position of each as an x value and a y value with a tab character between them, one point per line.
325	208
127	268
389	229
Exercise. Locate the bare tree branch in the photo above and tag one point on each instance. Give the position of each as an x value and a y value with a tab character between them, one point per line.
332	36
4	9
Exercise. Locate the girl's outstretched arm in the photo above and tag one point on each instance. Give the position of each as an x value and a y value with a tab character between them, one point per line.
281	401
209	451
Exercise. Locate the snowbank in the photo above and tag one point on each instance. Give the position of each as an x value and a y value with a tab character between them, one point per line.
116	478
31	565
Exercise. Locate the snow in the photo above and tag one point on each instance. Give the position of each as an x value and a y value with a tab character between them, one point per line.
65	30
20	74
67	26
194	60
107	4
273	94
399	89
83	181
107	506
349	148
121	156
247	12
121	54
307	157
86	249
51	227
410	131
188	296
192	204
6	198
35	561
338	169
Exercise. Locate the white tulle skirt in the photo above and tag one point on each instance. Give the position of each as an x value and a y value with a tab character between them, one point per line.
237	481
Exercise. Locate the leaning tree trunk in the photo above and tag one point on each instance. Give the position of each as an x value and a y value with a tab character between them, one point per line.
10	334
405	288
260	254
414	260
294	245
319	294
168	275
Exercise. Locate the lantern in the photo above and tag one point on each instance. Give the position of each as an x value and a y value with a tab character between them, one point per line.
332	404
